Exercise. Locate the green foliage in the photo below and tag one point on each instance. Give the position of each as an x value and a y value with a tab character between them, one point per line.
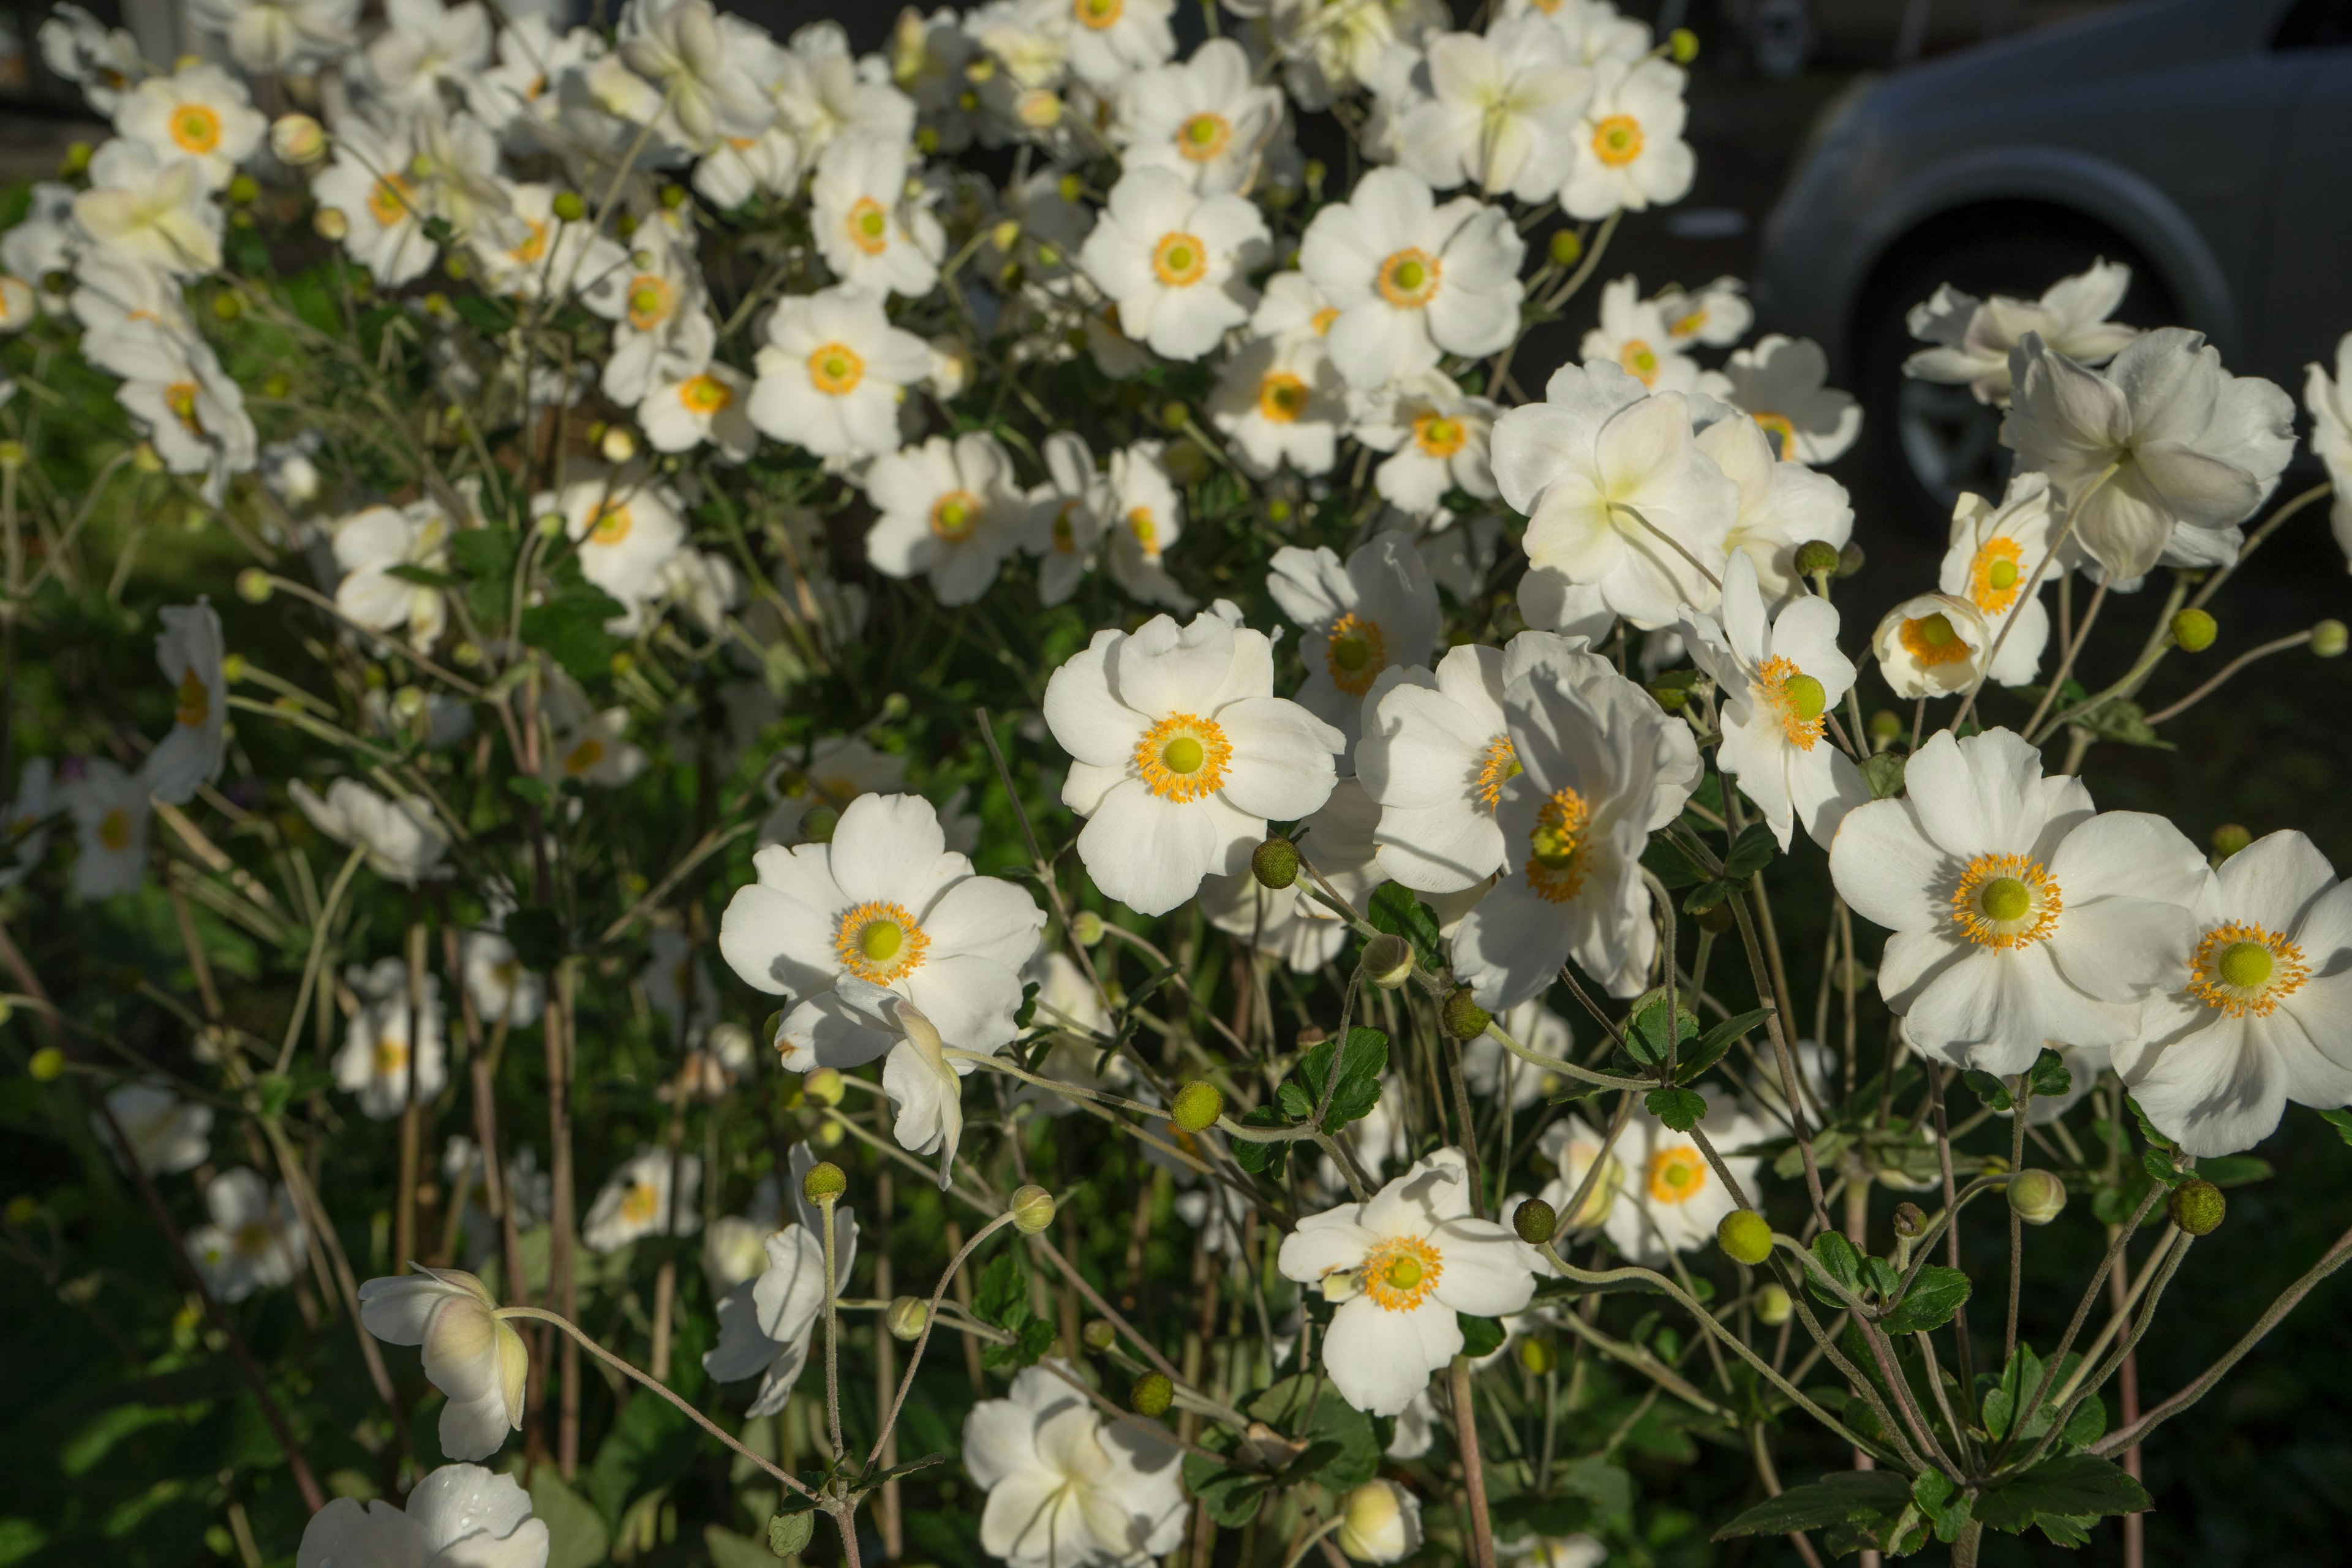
2063	1497
1394	909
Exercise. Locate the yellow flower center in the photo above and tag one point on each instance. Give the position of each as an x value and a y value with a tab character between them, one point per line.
1281	397
1556	847
1617	141
196	127
1180	260
954	515
1321	319
389	201
867	226
1437	436
195	698
1355	653
583	757
835	369
1677	1175
651	299
1097	15
1146	528
612	525
1782	433
1933	640
1409	278
1400	1273
114	829
391	1056
1065	536
252	1238
1687	325
1640	360
705	395
640	1203
180	397
534	245
2241	969
2006	900
1203	136
1994	575
1500	767
1794	698
1184	757
879	943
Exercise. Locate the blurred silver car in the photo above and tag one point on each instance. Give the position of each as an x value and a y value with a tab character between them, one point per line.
2207	144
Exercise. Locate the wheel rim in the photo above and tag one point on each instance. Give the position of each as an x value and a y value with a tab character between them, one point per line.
1951	441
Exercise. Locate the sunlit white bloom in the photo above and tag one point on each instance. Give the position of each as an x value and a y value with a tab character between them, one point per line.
156	212
79	48
1502	114
659	306
471	1353
1400	1265
1437	436
765	1322
680	46
713	405
280	36
950	511
403	842
1974	337
832	373
201	113
923	1081
394	1050
1718	315
119	303
1175	262
1931	645
541	254
368	546
823	95
167	1134
518	96
1204	120
109	811
1781	505
427	46
1660	1193
253	1240
1109	40
872	233
627	527
810	796
188	651
1633	335
459	1514
373	185
1068	1489
500	988
1412	279
1288	922
1355	620
1782	383
1292	310
1278	404
1067	515
651	1193
1629	151
2019	915
2329	402
1435	753
1994	553
1147	519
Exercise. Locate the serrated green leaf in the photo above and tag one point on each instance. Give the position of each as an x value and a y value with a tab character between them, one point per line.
2159	1168
1035	1342
1706	895
1264	1158
2121	719
1395	909
2342	1122
1480	1336
1989	1088
1935	1295
2049	1078
1680	1109
1311	1410
2070	1493
1872	1498
1946	1506
570	624
1646	1031
1666	861
1751	851
1840	1260
1715	1043
1359	1087
1000	1294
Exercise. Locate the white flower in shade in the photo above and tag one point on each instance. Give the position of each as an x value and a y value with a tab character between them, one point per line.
1110	40
627	527
1069	1006
1435	754
373	185
650	1189
930	59
1781	505
1782	679
2258	1015
678	987
949	511
824	93
2329	402
1065	1488
253	1240
167	1134
765	1323
1413	281
368	544
396	1042
706	76
1931	645
1176	261
2162	440
101	60
1718	315
832	374
188	651
200	113
1593	29
144	208
1994	552
1277	402
1602	766
1400	1265
1973	337
403	842
190	410
1181	754
1782	383
2019	915
735	1247
1502	113
713	405
1355	620
521	96
110	811
871	232
1205	120
810	797
1550	601
1288	922
1437	437
1633	334
1617	493
500	988
1494	1074
886	902
659	307
280	36
592	748
1380	1521
1577	1551
24	831
1328	49
18	304
459	1514
427	46
1146	518
1067	515
1629	151
1660	1195
471	1353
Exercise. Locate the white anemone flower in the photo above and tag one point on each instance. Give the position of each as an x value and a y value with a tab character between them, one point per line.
189	408
949	511
707	84
1438	439
1355	620
591	748
1181	754
2164	439
459	1514
167	1134
1067	516
1931	645
200	113
1502	114
1413	281
403	842
2019	915
1633	334
1065	1488
922	1073
1617	493
871	232
833	371
642	1197
144	208
2259	1014
885	901
24	831
1782	383
1973	337
1781	505
1660	1193
1175	262
1110	40
1292	310
188	651
501	990
1400	1265
766	1323
712	405
657	302
253	1240
1330	48
374	185
521	97
1994	553
396	1042
1435	754
2329	402
101	60
824	95
111	814
287	36
626	527
1278	403
1288	922
1717	314
1204	120
1629	151
1147	519
425	47
368	544
1782	679
471	1353
1594	30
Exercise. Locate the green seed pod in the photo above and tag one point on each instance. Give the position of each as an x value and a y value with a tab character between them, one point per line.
1198	1106
244	190
1536	1222
907	1317
1098	1334
1462	1017
1152	1395
1275	863
2198	1207
1174	415
253	585
824	1183
1816	558
818	825
1088	927
1031	1209
2229	838
1388	960
1567	247
1772	1305
1683	44
2194	630
2328	640
1885	725
1744	1235
2036	1195
567	208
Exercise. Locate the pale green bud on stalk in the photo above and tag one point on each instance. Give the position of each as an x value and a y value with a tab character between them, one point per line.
1772	1305
1152	1395
1816	558
48	1064
1031	1209
1098	1334
907	1317
1566	248
2328	640
2037	1196
2198	1207
1536	1222
1380	1521
1682	46
1275	863
298	140
824	1183
1462	1017
1850	559
2229	838
822	1086
1388	960
1744	1235
2194	630
253	585
1538	1356
1086	928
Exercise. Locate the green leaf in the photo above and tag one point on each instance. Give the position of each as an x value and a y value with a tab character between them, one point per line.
2049	1078
1946	1506
1609	1488
1751	852
1715	1043
1359	1089
648	1447
2342	1122
571	626
1262	1158
1231	1496
2233	1169
485	315
1706	895
1309	1409
1989	1090
1929	1304
1480	1336
728	1549
2159	1167
2064	1496
423	576
1028	1010
1680	1109
487	557
1002	1295
1840	1260
2147	1128
1672	867
1883	774
1036	1337
1872	1498
2122	720
1396	911
576	1536
1646	1031
536	791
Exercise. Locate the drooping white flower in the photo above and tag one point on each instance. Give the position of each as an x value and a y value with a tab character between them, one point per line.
924	1084
871	232
253	1240
1782	679
1110	40
1717	314
1660	1194
1377	610
626	525
1181	754
1288	922
1067	516
1781	505
2258	1015
1994	553
651	1193
1782	383
403	842
1633	334
1400	1265
1412	279
1278	403
1380	1521
280	36
1437	436
141	207
368	544
1065	1488
1204	120
2019	915
200	113
188	651
1630	151
427	46
167	1134
500	988
1931	645
471	1353
832	373
886	902
1175	262
713	405
1974	337
101	60
110	813
2330	405
1617	493
1147	519
765	1322
949	511
705	76
1502	114
2162	440
459	1514
1435	753
395	1043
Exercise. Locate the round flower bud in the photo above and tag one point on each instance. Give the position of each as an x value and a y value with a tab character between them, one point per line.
1032	1208
244	190
567	208
1717	918
1462	1017
1098	1334
673	196
2036	1195
824	1183
2198	1207
822	1086
227	307
1850	559
253	585
1174	415
828	1135
2194	630
280	385
1772	1305
1536	1221
1910	1220
1277	512
47	1065
1538	1356
1312	174
329	224
1566	247
1744	1235
2229	838
1275	863
23	1210
1152	1394
1086	927
2328	639
907	1317
1070	186
618	446
817	826
1816	558
1380	1521
1388	960
11	453
76	159
1683	44
1198	1106
298	140
1886	726
896	706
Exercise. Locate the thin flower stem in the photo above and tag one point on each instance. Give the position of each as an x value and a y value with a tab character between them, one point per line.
1473	1470
2233	667
318	952
1313	1538
2255	541
2066	663
930	1321
1564	1068
1788	1063
832	1325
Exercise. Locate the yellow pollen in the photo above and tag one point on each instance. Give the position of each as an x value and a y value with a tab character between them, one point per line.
585	756
196	128
651	299
1500	766
640	1203
1180	260
1203	136
1677	1175
1437	436
954	515
1282	396
1794	698
612	525
1640	360
1355	653
835	369
1782	431
1182	758
389	201
1556	847
1932	640
879	943
1409	278
1688	325
195	698
705	395
2006	901
1400	1273
1146	528
534	245
867	226
391	1056
1617	141
114	829
1321	319
2241	968
180	397
1097	15
1993	574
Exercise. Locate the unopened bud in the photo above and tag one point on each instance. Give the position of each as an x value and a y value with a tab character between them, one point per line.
567	208
1275	863
1388	960
1462	1017
2194	630
1772	1305
1536	1222
11	453
1380	1521
822	1086
1816	558
298	140
47	1065
818	825
1566	247
824	1182
1087	929
1174	415
243	190
618	446
329	224
2328	640
1069	188
2198	1207
253	585
1032	1208
1152	1395
1885	725
233	667
673	196
227	307
1744	1235
1277	512
907	1317
2036	1195
76	159
1682	45
1910	1220
1198	1106
896	706
2229	838
1850	559
1538	1356
1098	1334
1005	235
